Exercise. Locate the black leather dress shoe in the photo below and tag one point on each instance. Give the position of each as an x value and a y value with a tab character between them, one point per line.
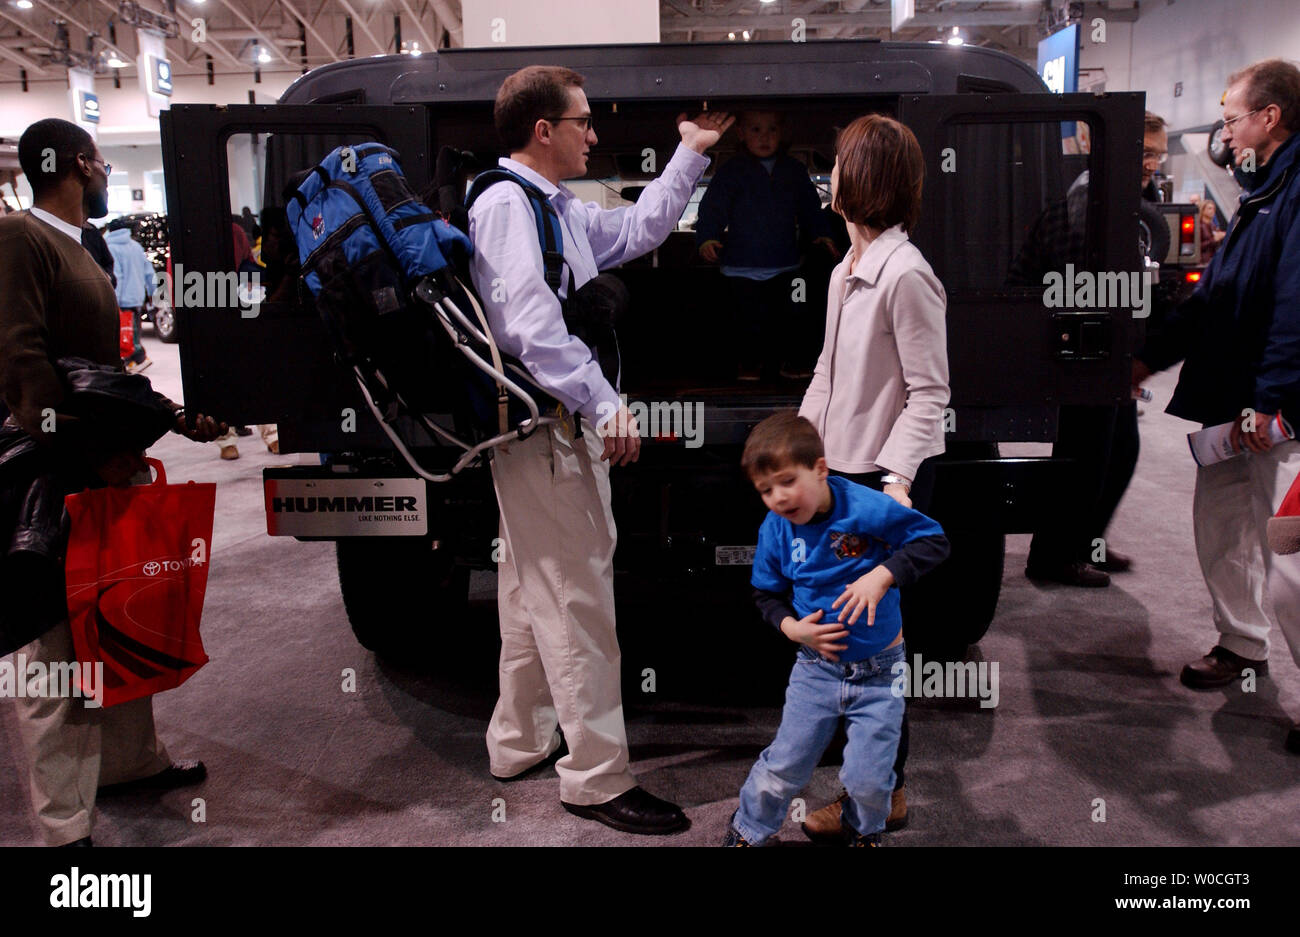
635	811
177	774
545	763
1115	562
1070	574
1219	668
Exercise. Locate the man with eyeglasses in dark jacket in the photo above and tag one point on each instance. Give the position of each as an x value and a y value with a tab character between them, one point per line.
1238	336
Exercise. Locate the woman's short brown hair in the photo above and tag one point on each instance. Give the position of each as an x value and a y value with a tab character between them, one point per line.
535	93
785	438
881	172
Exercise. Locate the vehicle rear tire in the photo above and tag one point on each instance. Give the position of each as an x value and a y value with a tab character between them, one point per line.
952	607
164	324
397	590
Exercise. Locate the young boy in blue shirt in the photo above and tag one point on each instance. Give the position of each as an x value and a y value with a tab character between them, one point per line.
829	553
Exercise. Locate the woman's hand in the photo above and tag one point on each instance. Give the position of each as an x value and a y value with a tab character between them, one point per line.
899	493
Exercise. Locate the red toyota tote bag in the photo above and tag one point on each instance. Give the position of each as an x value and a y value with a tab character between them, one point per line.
136	573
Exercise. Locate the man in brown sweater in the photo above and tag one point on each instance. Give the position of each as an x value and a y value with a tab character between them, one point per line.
58	302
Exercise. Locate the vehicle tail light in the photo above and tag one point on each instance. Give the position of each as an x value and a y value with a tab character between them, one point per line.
1186	236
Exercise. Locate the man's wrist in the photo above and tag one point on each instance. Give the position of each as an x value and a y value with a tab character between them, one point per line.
695	148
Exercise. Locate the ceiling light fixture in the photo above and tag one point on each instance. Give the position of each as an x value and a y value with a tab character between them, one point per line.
24	4
955	39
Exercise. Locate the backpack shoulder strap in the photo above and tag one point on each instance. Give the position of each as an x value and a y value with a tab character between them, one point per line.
549	235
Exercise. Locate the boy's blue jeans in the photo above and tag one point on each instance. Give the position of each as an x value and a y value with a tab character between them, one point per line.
820	693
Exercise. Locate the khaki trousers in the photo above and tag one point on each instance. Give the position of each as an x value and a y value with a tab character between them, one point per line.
555	589
1251	588
73	750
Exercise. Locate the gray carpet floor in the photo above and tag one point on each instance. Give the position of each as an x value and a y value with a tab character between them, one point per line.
1091	720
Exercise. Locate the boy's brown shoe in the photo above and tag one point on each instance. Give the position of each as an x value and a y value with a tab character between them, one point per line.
897	811
823	826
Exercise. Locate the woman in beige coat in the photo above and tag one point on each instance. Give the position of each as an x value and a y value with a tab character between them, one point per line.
881	384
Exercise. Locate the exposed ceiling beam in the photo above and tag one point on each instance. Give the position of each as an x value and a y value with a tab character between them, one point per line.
319	10
274	4
222	53
244	35
848	6
270	43
1027	16
370	18
358	20
451	22
430	45
38	69
311	30
18	58
64	15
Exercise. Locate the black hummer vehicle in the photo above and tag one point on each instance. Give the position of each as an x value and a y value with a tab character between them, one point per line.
993	139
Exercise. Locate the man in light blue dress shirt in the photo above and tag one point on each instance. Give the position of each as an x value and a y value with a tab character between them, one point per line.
559	665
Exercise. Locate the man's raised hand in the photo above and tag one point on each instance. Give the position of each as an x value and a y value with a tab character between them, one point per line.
704	130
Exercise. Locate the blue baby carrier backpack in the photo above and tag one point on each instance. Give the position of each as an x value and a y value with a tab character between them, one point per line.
391	285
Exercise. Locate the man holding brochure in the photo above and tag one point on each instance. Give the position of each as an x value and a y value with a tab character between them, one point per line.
1239	338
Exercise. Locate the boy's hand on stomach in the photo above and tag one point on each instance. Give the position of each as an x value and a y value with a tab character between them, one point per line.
821	638
865	592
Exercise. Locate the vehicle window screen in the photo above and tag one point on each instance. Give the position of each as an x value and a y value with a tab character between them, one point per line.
1014	203
259	166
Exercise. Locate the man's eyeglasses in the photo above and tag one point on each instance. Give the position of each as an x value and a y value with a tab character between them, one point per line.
1229	123
108	167
1151	156
584	125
